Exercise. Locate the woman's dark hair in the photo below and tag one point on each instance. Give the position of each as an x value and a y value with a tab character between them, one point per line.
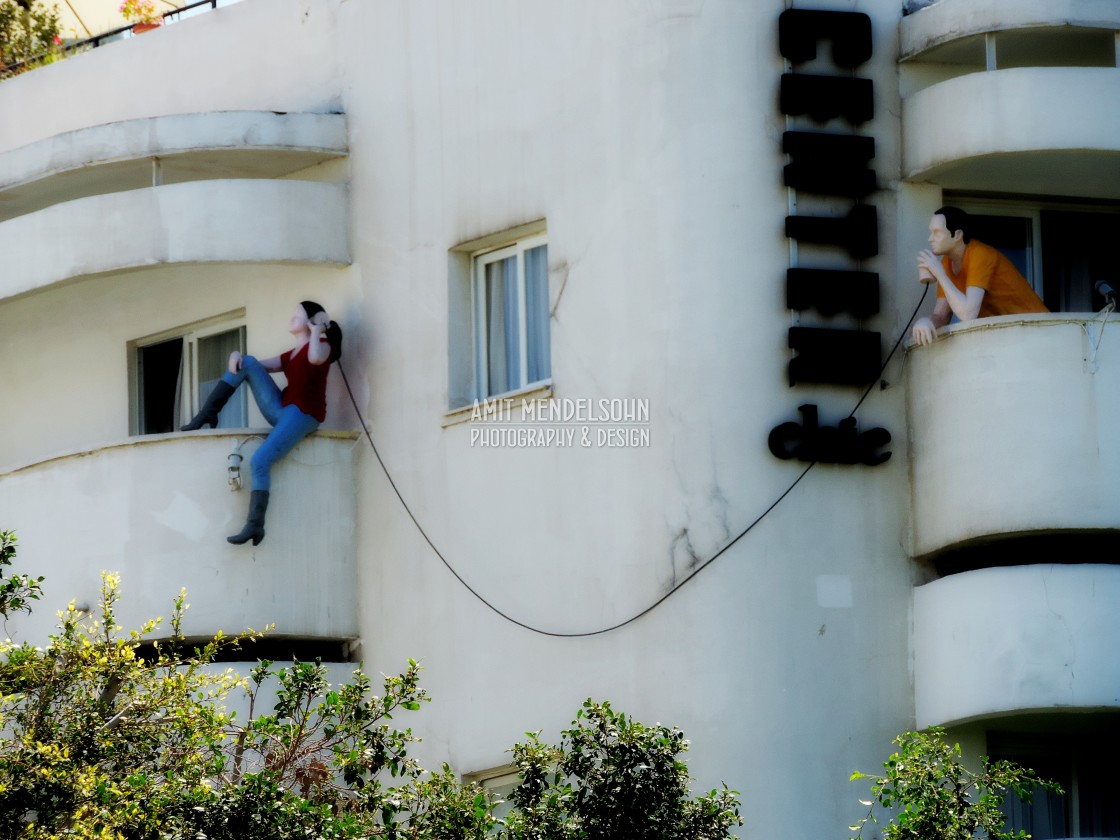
333	331
956	219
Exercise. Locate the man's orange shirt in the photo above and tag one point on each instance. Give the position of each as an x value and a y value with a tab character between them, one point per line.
1006	291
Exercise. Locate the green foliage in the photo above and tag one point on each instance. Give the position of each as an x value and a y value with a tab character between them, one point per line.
934	797
29	30
106	743
613	777
99	739
119	735
16	591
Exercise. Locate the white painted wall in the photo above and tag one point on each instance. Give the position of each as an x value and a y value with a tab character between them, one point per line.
647	136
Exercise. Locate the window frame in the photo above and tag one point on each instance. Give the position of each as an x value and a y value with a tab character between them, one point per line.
188	397
500	781
480	259
1015	209
1032	207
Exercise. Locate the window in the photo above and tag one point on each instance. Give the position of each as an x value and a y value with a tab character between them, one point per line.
1085	768
498	298
509	292
499	781
173	372
1060	248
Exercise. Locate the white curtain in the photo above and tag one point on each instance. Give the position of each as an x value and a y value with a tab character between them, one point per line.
536	313
502	338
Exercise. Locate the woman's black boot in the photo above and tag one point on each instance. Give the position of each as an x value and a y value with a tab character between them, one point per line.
208	414
254	525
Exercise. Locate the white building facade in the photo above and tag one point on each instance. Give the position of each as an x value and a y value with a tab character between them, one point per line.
580	214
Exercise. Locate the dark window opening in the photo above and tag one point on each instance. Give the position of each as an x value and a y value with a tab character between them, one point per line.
160	373
1082	764
175	376
1074	258
1019	549
1059	247
279	650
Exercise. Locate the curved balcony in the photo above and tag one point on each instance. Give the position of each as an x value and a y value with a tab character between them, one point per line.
1013	424
204	221
157	509
189	147
1016	639
950	21
1044	130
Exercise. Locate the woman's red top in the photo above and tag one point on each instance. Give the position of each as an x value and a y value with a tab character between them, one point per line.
307	383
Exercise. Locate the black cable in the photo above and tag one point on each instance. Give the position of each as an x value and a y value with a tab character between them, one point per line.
676	587
901	335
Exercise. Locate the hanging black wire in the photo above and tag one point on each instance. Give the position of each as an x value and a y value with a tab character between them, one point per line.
676	588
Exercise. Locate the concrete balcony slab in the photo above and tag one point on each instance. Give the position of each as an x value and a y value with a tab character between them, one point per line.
280	221
1013	430
993	642
158	508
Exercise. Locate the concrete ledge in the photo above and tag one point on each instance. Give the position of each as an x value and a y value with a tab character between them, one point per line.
952	20
118	156
199	222
1016	639
1012	430
158	510
966	128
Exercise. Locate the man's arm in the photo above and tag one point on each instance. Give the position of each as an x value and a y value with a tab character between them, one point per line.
925	328
965	306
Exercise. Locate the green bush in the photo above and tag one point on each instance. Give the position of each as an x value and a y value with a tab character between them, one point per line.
932	796
113	736
29	35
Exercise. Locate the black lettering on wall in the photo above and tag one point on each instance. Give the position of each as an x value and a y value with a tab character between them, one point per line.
800	29
829	164
858	232
834	357
842	444
831	291
826	97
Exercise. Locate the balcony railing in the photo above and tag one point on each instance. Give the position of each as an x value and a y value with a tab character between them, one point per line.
229	221
994	642
1013	431
1034	130
103	38
168	149
158	508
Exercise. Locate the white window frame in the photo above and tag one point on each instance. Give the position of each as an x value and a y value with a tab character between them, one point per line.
499	781
189	402
479	261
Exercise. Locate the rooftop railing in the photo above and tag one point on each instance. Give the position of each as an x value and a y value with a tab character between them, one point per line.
127	31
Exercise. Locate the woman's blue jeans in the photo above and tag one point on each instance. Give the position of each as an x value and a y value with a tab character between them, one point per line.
289	424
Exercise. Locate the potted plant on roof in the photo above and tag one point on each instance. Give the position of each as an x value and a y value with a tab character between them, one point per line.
141	14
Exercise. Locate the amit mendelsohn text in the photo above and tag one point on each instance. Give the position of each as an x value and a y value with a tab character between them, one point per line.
563	410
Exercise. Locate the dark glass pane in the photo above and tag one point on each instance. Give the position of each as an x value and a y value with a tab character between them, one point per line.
159	368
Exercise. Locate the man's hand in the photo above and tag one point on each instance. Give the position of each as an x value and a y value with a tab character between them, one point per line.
929	263
924	331
234	362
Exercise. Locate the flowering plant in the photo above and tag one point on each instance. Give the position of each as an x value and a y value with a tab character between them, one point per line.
140	11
